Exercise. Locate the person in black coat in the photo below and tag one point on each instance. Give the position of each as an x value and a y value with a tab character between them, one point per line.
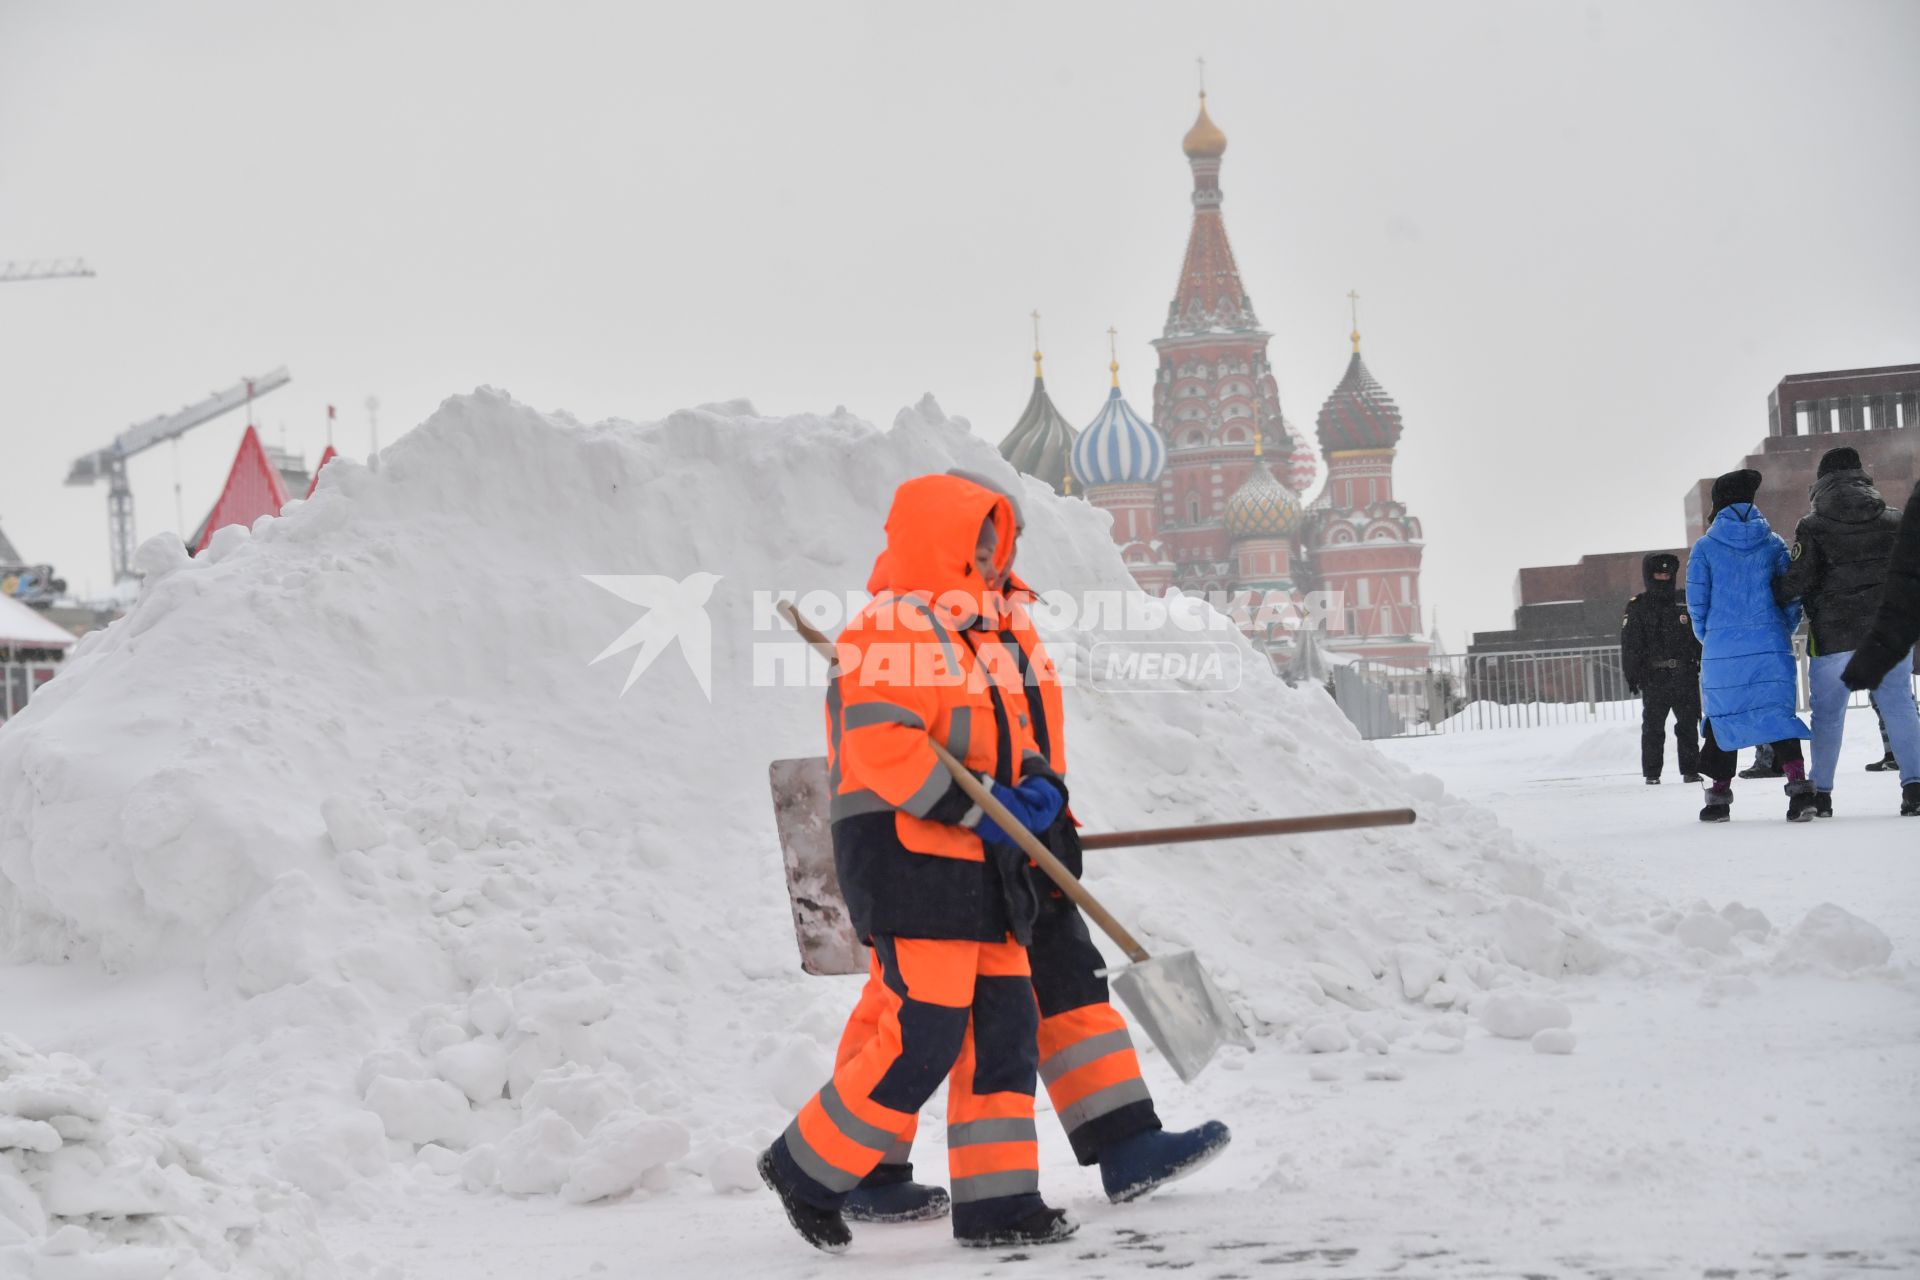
1839	567
1896	626
1660	658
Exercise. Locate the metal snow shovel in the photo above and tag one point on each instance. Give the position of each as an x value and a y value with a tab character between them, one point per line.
821	924
1172	997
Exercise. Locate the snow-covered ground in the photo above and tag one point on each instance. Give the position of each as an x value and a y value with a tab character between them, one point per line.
387	938
1712	1123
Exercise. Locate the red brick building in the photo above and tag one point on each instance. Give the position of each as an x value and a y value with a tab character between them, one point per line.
1210	495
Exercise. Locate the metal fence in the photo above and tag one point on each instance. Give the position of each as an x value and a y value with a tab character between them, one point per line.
1458	693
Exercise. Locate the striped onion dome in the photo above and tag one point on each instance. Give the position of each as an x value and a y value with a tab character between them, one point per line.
1041	441
1262	507
1118	447
1359	414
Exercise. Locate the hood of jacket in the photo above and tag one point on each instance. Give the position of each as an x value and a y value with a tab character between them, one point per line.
932	530
1656	561
1847	497
1740	525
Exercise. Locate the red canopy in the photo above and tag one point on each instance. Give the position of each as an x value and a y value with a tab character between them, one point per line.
253	490
325	458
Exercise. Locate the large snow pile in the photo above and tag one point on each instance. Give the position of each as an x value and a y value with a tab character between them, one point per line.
457	898
91	1192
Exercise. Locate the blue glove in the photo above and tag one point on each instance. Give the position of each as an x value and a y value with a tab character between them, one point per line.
1035	803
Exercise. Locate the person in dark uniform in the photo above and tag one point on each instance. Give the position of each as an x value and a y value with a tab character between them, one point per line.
1660	658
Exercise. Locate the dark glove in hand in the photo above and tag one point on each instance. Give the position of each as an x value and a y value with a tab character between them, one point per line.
1035	803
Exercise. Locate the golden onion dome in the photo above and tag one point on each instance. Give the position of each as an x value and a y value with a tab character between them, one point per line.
1262	507
1204	141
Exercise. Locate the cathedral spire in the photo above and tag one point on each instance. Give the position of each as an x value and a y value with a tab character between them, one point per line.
1353	297
1211	297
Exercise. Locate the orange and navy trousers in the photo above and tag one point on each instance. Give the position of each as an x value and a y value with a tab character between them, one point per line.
940	1008
1086	1055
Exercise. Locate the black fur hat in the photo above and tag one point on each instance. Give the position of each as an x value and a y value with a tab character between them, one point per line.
1845	458
1735	486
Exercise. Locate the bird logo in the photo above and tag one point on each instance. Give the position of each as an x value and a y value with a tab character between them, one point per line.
675	611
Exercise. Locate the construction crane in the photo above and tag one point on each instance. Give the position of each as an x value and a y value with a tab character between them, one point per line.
111	462
54	269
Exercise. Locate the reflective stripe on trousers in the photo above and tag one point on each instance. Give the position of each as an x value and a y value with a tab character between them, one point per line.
1089	1064
933	1008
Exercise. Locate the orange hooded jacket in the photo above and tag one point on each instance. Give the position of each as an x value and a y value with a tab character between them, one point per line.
911	667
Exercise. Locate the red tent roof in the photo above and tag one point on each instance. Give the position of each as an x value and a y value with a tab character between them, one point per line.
320	466
253	490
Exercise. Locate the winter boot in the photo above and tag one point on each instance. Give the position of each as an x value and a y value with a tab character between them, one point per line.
1763	769
1719	806
1042	1226
1689	777
824	1229
1653	782
1135	1166
1823	804
1910	800
1885	764
1802	800
889	1194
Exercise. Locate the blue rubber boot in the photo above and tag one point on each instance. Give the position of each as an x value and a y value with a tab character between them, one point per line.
1136	1166
889	1194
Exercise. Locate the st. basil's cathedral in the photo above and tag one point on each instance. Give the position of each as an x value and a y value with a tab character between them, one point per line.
1211	497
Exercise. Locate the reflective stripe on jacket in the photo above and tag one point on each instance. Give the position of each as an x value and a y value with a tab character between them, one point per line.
922	661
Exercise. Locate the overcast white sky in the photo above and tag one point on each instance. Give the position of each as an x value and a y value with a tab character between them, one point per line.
1588	238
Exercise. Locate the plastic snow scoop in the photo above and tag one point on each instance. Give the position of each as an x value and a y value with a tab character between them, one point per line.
1171	997
821	922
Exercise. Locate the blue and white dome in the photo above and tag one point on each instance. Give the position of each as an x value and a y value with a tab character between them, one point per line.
1118	447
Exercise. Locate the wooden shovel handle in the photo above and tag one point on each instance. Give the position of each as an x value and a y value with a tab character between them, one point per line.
1041	855
1254	827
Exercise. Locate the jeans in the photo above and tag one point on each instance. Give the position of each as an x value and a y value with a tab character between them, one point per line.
1893	699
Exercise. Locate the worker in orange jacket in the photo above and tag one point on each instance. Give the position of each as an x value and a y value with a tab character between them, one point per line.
1087	1058
935	887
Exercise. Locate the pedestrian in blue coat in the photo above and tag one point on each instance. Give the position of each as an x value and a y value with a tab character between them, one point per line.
1748	689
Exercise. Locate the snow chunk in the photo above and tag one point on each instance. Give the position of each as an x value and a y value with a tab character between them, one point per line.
1514	1016
536	1158
1553	1040
1326	1037
734	1169
1747	920
1706	931
118	1196
351	826
478	1068
158	556
581	1097
1419	969
325	1159
794	1071
420	1111
621	1153
28	1135
1834	936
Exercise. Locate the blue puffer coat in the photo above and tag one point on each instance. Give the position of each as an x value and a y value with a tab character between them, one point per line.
1747	685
